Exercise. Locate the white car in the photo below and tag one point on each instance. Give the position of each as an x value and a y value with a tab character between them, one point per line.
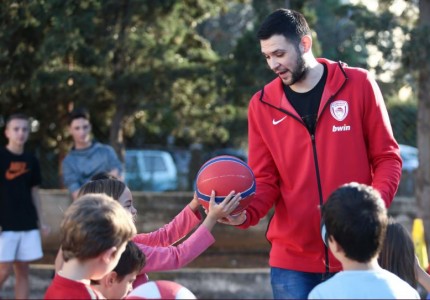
150	170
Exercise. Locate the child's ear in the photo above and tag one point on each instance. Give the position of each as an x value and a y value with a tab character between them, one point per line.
334	245
109	254
111	278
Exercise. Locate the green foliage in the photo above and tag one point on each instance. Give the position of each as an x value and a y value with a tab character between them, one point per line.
121	59
402	116
338	35
416	49
106	55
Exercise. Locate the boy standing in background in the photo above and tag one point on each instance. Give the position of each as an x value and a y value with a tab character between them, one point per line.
20	210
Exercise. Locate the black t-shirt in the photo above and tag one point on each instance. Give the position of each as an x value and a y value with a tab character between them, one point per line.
18	174
307	104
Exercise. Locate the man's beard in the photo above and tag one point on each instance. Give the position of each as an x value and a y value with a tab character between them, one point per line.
300	71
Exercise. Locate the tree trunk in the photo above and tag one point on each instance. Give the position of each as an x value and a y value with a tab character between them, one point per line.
423	127
116	132
119	65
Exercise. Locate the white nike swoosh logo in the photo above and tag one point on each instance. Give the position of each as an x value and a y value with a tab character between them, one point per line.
276	122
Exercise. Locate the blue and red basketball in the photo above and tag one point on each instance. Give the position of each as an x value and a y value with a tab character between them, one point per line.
224	174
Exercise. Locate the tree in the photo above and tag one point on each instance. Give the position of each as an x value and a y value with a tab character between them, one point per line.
417	58
133	52
134	64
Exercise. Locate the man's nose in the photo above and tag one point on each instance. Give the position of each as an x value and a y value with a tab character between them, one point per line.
273	63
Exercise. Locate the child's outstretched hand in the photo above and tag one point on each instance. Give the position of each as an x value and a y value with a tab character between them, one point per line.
225	208
194	204
221	210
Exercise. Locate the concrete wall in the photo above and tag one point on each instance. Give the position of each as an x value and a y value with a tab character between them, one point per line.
155	210
233	248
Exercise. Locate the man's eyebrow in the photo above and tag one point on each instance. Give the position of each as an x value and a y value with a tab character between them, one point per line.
274	51
79	126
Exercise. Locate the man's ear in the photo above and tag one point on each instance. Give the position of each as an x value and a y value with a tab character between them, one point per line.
305	44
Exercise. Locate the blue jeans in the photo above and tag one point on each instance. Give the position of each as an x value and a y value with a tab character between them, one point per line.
289	284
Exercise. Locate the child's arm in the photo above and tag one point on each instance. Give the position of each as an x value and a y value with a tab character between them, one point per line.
179	227
422	276
175	257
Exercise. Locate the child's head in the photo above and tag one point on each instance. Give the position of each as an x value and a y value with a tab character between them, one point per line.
80	126
398	253
95	226
17	129
118	283
78	113
356	218
105	184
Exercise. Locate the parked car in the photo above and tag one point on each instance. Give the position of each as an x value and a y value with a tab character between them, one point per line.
409	156
150	170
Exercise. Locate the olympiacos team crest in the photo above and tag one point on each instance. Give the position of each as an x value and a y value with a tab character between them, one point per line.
339	109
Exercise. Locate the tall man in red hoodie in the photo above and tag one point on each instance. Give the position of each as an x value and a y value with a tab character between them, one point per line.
318	125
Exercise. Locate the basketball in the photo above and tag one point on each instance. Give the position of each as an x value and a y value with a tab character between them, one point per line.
224	174
161	289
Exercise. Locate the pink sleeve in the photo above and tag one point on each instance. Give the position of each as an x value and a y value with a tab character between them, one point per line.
176	257
170	233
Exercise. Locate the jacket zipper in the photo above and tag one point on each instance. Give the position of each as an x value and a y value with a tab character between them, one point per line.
314	148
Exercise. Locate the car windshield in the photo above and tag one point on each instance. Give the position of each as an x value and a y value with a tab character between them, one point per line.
154	164
131	164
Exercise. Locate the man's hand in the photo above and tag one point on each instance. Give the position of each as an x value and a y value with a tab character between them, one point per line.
234	220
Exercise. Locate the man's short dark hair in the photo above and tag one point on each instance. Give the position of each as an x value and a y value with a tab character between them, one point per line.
78	113
16	116
356	217
289	23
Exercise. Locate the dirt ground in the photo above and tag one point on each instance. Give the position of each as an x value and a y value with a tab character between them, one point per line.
236	266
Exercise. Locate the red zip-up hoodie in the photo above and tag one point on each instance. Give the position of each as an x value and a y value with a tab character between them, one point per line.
296	171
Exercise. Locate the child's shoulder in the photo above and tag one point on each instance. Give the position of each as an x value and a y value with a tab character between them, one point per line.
62	287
